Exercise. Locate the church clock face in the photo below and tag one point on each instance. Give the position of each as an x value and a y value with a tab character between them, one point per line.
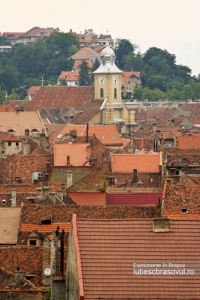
115	79
102	80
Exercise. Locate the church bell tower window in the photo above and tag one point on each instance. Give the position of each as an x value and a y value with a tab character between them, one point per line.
101	93
115	93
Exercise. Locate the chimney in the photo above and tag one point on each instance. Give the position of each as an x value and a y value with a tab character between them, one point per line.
161	225
13	199
69	178
26	133
68	160
160	103
18	276
135	180
154	128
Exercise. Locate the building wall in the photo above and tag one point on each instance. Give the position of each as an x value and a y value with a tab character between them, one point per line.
58	288
72	273
22	295
12	147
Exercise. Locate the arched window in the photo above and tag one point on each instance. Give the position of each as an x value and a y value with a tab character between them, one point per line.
101	93
115	93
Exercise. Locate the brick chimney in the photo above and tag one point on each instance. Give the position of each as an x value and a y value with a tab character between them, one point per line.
69	178
68	160
135	176
13	197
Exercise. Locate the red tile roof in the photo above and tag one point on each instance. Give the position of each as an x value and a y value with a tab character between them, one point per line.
80	61
78	153
107	250
45	228
142	162
69	75
84	53
134	198
7	108
7	282
107	134
9	224
189	141
62	96
88	198
19	121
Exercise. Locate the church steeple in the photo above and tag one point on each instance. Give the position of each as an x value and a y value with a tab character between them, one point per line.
107	81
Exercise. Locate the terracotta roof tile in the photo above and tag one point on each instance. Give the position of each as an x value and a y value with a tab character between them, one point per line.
9	224
7	282
189	141
62	96
88	198
128	162
78	154
44	228
107	134
7	108
69	75
85	117
108	249
84	53
19	121
80	61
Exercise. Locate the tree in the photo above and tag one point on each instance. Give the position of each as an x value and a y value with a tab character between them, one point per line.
2	96
95	66
9	78
84	74
124	47
132	62
137	94
13	95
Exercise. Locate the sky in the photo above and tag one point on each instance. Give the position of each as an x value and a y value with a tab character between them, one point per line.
167	24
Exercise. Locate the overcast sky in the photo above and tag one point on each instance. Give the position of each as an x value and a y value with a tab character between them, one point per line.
167	24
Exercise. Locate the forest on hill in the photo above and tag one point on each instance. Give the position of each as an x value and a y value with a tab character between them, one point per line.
26	64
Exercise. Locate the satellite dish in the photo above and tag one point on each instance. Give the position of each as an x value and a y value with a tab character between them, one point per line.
47	271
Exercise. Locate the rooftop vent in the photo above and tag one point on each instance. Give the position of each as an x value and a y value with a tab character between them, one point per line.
161	225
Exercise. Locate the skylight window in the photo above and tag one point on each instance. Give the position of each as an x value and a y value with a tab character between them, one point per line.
102	137
113	137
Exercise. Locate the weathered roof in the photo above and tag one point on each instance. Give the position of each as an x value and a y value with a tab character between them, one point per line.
9	224
109	248
7	282
44	228
62	96
84	53
19	121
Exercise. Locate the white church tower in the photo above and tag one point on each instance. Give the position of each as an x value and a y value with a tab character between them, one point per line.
107	82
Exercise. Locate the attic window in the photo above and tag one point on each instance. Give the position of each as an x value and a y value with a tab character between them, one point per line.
32	242
10	130
46	221
102	137
161	225
184	210
34	130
